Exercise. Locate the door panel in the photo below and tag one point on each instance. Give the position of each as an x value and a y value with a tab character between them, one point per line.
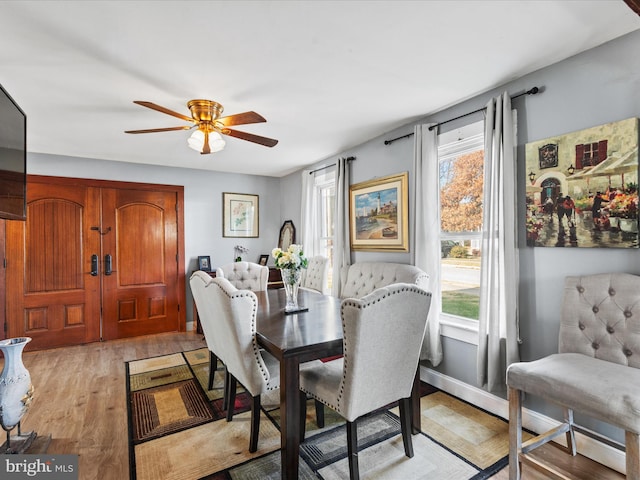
51	295
59	297
140	296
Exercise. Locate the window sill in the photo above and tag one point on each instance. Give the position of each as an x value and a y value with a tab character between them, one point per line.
459	329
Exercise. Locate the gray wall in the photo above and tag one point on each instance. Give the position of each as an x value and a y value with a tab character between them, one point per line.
202	203
596	87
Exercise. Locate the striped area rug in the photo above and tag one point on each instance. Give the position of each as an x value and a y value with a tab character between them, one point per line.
178	431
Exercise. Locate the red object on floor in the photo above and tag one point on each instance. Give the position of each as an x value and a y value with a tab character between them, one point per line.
328	359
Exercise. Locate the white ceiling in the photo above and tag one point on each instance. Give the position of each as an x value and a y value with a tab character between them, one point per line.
327	75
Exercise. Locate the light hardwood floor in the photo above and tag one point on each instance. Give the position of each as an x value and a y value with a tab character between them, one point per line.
80	398
80	401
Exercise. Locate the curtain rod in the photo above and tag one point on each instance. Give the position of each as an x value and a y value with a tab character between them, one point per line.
349	159
532	91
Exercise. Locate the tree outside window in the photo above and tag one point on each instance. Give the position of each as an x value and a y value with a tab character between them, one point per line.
461	193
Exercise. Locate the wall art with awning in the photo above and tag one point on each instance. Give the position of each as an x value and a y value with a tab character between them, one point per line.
582	188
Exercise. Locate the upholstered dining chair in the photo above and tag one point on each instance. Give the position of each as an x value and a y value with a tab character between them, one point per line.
316	275
255	369
245	275
199	283
374	347
235	327
362	278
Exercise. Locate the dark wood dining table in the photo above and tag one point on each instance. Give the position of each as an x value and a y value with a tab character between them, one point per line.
295	338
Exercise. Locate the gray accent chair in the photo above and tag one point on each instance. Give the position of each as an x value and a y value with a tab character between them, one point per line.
596	371
316	275
379	362
362	278
245	275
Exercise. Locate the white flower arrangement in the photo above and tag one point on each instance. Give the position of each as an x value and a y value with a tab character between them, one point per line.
239	250
292	258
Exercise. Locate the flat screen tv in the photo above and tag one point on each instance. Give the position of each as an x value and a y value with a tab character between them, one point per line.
13	159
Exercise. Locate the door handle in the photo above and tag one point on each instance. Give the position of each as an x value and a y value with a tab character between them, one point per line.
94	265
107	264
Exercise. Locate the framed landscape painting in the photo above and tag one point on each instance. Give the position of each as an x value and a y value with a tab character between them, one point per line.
239	215
582	188
378	214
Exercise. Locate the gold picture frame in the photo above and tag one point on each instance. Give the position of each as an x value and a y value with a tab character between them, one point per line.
240	215
378	214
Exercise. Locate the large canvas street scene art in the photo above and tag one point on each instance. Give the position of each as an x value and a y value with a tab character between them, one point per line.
582	188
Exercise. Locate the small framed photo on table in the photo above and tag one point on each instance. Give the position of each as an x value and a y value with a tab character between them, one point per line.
264	259
204	263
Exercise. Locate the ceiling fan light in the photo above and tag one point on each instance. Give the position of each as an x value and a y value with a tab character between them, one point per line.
216	142
196	141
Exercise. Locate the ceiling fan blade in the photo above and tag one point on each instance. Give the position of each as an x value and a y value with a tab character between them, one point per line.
242	119
158	108
153	130
250	137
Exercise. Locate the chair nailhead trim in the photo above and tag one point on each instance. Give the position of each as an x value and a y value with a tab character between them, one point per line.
254	310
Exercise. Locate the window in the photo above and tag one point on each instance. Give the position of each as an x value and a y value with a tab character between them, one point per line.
461	167
590	154
325	188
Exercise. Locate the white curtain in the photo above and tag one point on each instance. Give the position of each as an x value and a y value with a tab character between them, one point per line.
309	235
341	246
426	241
498	323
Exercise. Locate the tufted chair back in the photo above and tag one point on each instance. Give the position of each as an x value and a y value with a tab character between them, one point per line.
601	317
316	275
362	278
245	275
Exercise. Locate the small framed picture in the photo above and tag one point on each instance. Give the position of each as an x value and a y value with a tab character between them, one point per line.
239	215
204	263
264	259
378	214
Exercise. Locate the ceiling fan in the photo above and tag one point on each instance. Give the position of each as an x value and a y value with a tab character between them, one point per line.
205	115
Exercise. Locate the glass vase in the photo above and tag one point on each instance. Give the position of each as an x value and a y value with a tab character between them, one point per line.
291	281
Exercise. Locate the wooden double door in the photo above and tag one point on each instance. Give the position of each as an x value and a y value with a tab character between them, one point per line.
95	261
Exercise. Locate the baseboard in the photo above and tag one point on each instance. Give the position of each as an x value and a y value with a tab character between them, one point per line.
602	453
